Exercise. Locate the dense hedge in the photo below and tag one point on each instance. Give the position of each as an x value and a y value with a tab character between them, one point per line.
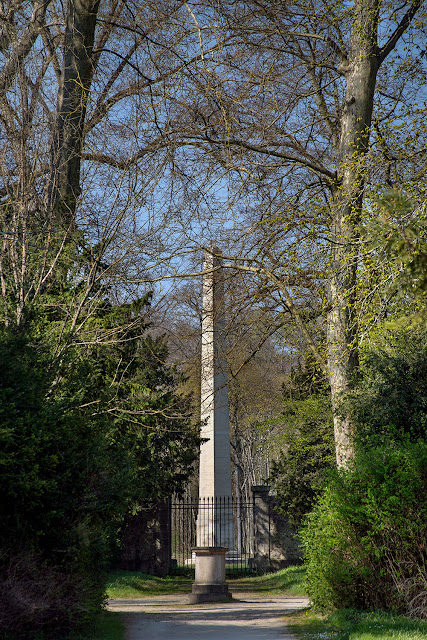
84	438
365	542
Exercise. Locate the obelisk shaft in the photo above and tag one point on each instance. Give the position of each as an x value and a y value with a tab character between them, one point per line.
215	455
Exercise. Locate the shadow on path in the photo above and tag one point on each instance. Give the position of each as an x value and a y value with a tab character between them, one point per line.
248	617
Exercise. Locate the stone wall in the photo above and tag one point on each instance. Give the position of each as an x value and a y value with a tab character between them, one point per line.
146	541
276	545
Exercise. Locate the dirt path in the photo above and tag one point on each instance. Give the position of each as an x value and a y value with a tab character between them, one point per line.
248	617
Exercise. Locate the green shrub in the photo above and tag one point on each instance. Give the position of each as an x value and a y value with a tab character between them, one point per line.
298	474
365	542
84	438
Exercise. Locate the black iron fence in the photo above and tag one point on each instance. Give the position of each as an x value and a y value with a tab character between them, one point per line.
213	522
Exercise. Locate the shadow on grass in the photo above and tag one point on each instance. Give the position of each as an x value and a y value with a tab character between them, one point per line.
133	584
107	625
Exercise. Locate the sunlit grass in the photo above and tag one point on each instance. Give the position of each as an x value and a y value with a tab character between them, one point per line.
349	624
289	581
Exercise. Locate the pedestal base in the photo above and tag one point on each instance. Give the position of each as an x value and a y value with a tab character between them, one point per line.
210	584
202	593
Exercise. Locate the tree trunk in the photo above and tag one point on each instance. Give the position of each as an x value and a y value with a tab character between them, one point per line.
361	71
73	92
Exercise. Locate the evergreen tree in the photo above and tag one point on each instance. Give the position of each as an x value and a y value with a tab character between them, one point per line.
90	427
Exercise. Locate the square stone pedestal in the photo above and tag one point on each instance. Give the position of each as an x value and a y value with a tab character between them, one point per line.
209	584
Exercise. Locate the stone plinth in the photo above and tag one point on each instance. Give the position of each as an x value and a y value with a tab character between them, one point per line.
209	584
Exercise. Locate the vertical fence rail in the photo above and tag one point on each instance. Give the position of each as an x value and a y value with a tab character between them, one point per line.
212	522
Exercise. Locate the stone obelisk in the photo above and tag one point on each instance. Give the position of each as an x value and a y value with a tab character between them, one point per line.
215	519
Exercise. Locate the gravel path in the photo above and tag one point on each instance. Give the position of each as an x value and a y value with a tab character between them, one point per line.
247	617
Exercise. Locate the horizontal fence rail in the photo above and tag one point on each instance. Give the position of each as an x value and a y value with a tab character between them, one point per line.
213	522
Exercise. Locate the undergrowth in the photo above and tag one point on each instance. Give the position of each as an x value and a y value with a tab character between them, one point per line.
108	625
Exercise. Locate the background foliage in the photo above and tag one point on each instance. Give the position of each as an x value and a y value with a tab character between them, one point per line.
390	399
298	474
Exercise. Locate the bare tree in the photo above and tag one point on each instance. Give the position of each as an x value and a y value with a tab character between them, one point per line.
147	130
294	115
85	91
74	84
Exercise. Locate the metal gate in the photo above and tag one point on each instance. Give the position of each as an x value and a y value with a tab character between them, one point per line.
233	520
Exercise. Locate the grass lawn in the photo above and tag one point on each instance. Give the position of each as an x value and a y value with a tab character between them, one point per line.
289	581
133	584
349	624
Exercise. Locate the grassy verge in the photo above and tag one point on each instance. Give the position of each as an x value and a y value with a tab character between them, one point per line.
349	624
289	581
133	584
107	626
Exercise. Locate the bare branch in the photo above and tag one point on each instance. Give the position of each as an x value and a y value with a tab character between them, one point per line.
22	48
399	31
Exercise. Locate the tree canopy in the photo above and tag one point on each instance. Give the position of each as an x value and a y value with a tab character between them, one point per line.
133	135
